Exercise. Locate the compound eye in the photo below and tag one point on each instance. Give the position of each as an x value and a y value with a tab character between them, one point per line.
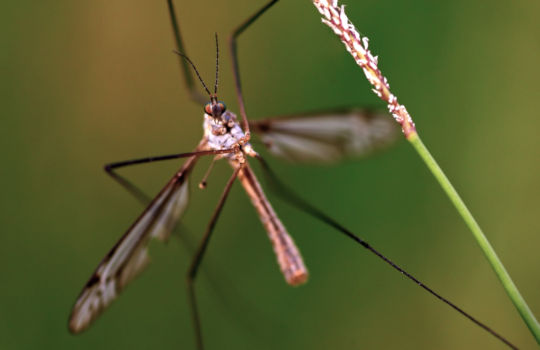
208	109
222	106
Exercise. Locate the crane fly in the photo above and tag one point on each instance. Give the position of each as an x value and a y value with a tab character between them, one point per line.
320	137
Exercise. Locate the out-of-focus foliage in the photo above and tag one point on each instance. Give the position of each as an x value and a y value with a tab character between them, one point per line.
86	83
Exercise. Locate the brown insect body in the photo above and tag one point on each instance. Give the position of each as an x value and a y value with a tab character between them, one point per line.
288	255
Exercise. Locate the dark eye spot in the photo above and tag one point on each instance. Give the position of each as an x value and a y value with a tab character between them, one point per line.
208	109
222	106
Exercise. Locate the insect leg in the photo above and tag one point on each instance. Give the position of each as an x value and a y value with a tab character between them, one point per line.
188	77
134	190
292	198
236	71
197	259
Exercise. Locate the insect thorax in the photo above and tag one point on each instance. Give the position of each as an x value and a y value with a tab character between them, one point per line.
224	133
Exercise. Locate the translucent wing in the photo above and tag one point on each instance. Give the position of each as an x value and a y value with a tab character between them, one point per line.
326	137
130	254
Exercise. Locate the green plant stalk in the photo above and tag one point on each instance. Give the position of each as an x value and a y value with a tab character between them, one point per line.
334	16
486	247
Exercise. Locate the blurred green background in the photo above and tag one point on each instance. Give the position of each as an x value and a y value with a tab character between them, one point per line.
86	83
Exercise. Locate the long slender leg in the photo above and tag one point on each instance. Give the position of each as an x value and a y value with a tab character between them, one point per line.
292	198
236	71
188	77
134	190
197	259
190	246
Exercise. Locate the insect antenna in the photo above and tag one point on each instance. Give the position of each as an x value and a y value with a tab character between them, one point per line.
195	69
292	198
217	65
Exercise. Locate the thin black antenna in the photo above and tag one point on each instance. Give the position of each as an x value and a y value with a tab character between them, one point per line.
217	66
293	199
194	68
